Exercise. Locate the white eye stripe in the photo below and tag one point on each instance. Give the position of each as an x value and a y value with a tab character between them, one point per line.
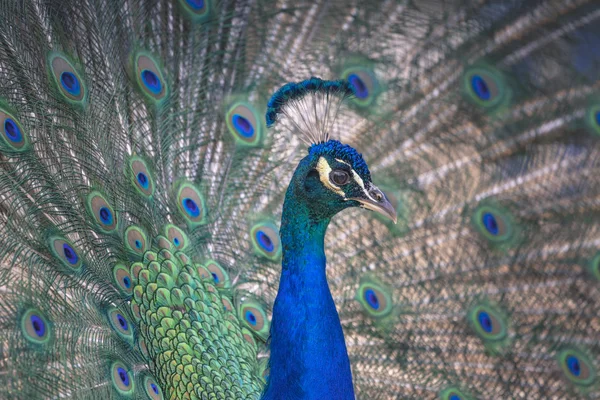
325	169
358	180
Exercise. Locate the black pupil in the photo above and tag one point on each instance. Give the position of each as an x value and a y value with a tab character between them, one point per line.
69	80
10	128
267	241
150	77
190	204
339	177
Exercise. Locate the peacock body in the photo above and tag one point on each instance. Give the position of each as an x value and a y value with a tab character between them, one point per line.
164	230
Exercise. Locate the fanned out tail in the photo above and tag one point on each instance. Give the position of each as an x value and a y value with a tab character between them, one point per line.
141	192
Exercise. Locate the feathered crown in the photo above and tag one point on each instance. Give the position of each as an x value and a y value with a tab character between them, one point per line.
311	107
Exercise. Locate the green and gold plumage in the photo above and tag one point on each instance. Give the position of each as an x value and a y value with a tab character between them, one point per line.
141	193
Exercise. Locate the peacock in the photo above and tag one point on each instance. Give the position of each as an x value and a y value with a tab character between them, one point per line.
273	199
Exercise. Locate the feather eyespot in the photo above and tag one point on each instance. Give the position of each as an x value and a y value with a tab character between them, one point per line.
176	236
135	240
489	322
123	279
191	204
254	316
265	240
102	212
121	378
67	79
495	224
364	84
483	86
486	86
577	367
218	274
152	388
66	253
375	298
150	78
243	122
120	324
12	133
35	327
141	177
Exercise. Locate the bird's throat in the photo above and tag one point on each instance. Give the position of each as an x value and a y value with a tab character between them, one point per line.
308	352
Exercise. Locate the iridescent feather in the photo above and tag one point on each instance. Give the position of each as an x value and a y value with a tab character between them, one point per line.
141	190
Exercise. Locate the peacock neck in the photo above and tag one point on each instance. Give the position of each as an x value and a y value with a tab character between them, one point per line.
308	352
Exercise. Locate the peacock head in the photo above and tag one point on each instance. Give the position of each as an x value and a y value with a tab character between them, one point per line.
334	177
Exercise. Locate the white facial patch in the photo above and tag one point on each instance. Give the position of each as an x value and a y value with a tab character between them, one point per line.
324	170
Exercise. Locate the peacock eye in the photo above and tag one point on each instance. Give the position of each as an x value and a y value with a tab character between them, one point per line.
339	177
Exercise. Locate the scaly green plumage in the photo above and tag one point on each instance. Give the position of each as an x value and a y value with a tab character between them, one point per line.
479	119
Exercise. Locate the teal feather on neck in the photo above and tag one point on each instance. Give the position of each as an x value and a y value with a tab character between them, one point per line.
308	352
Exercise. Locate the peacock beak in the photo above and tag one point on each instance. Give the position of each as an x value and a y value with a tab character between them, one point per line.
375	200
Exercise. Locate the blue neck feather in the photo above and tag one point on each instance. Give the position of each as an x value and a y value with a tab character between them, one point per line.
308	352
